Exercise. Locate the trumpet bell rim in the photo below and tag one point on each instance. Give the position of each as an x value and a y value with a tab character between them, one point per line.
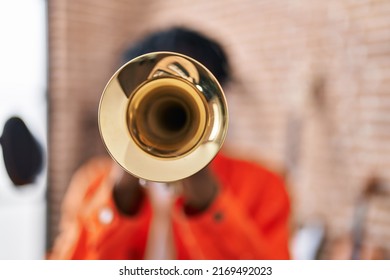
124	136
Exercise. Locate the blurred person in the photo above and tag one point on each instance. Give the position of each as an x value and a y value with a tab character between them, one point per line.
231	209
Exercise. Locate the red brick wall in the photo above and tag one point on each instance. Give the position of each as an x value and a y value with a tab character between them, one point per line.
310	98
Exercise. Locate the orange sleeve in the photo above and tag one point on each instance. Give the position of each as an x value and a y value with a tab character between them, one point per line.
246	221
91	226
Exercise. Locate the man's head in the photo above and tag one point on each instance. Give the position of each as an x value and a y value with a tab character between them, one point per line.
187	42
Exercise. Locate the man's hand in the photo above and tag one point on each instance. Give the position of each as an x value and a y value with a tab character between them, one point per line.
128	194
199	191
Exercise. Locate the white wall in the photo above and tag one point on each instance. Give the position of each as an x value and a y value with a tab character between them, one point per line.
23	71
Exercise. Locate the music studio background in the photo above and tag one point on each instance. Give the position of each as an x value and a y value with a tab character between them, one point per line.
23	75
310	100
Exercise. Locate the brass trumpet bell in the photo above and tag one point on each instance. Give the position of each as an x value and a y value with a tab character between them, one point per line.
163	116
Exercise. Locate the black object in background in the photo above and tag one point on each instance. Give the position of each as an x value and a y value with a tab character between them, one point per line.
21	152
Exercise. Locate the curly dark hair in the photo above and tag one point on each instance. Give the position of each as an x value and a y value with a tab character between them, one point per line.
188	42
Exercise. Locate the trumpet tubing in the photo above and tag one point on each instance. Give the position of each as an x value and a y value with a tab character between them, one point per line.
163	116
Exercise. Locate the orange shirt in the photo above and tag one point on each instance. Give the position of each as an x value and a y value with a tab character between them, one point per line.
247	220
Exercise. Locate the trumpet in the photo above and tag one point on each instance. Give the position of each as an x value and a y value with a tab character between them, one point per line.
163	116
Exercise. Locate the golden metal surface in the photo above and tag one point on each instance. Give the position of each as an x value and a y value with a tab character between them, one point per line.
163	116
